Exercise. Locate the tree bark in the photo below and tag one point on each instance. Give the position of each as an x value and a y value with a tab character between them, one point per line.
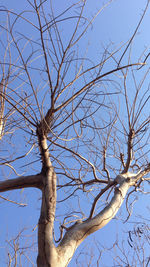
60	256
46	250
47	255
51	256
22	182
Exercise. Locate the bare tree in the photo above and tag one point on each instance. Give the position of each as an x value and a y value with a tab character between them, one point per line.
81	119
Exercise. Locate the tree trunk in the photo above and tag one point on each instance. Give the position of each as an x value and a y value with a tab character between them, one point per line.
46	248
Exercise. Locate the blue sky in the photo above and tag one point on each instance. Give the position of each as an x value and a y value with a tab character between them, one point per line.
113	26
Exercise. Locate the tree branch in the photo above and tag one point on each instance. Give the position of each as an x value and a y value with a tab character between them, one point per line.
22	182
129	150
99	195
80	230
92	82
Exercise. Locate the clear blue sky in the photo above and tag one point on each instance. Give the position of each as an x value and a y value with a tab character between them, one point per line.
115	25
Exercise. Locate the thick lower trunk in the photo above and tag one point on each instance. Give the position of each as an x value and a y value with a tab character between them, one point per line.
47	255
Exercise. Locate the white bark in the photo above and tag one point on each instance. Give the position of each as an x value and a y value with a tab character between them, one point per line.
79	231
74	237
61	256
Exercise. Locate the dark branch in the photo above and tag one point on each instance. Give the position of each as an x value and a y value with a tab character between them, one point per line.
22	182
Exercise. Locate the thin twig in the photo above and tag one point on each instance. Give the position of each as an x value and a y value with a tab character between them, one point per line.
14	202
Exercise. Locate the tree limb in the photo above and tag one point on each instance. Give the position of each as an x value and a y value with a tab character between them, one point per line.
22	182
80	230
